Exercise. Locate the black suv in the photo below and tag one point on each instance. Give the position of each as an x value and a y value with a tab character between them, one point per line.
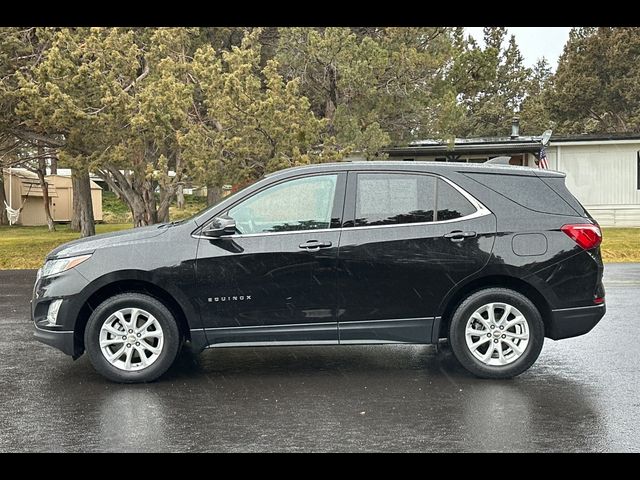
492	257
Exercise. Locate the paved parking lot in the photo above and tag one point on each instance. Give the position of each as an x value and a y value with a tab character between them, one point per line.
583	394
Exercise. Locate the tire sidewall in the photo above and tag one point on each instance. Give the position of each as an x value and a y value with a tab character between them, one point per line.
171	340
496	295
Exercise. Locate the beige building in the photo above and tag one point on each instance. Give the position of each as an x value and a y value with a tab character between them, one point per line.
22	189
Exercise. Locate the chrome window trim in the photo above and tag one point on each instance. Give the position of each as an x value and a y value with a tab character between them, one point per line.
481	211
439	222
269	234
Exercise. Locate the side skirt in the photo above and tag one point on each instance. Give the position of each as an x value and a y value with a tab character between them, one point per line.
404	330
373	332
262	335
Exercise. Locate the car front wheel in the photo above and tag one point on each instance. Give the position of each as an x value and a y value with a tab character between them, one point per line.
496	333
132	338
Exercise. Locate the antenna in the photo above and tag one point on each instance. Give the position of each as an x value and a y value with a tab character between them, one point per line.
546	136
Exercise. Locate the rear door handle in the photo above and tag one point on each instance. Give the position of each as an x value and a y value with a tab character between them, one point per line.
459	235
314	245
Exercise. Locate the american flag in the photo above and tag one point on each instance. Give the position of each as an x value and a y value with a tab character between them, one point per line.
542	163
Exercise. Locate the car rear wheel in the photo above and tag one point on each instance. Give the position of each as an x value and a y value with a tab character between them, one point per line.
496	333
132	338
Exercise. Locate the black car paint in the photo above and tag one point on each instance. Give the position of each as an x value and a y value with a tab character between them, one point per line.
371	285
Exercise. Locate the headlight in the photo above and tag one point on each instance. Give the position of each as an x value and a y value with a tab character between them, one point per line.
53	267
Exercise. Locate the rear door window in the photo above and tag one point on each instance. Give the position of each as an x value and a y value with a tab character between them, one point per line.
390	199
404	198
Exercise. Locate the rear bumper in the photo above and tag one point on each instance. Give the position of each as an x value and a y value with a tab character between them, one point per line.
571	322
60	339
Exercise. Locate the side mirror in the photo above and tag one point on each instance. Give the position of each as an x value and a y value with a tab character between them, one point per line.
220	226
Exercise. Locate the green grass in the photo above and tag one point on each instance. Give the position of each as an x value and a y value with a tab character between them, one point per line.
26	247
192	205
115	210
621	244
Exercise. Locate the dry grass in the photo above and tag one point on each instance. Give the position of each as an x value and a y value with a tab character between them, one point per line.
621	245
26	247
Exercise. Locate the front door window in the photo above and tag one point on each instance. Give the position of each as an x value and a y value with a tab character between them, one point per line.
296	205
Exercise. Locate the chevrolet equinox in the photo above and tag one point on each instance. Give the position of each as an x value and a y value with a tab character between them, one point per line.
492	257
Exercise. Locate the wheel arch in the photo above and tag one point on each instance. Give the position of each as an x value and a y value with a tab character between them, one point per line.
519	285
132	281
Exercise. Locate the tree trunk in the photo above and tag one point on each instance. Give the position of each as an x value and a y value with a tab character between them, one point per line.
138	194
76	211
214	194
3	213
179	186
54	165
138	212
165	201
41	170
82	220
180	196
148	189
332	99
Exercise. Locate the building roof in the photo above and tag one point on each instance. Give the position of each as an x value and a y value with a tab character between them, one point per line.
595	137
66	172
486	145
497	145
398	165
30	183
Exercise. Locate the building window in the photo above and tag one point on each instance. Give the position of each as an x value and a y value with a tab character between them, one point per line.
516	160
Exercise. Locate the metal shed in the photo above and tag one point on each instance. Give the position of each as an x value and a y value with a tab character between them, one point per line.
22	188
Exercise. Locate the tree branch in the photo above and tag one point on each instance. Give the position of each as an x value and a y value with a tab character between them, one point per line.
36	138
141	77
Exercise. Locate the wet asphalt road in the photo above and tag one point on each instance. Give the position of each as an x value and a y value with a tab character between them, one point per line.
583	394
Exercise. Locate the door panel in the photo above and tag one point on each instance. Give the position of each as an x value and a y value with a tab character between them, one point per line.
391	278
270	282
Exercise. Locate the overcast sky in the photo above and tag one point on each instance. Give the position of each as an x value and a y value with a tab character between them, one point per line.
534	42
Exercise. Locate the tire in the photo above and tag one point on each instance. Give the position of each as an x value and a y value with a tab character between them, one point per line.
159	342
515	347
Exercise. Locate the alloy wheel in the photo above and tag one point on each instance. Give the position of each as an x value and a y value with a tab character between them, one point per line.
131	339
497	334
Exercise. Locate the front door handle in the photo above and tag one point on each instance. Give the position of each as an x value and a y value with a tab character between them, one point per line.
459	235
314	245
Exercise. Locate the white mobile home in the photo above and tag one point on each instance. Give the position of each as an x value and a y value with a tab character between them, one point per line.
603	171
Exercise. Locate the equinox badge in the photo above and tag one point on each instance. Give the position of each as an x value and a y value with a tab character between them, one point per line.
233	298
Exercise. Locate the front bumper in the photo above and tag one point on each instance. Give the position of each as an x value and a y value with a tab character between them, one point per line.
67	287
62	340
571	322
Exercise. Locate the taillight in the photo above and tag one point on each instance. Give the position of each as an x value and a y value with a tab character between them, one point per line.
586	235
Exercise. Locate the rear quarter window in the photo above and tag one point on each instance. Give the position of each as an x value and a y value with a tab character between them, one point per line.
528	191
451	204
